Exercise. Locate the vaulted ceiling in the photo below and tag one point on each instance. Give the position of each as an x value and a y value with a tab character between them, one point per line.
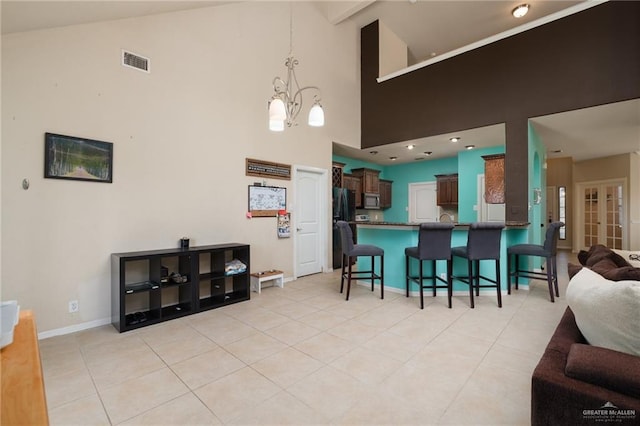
429	28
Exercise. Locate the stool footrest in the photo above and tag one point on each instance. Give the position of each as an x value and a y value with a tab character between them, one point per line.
465	279
416	279
529	274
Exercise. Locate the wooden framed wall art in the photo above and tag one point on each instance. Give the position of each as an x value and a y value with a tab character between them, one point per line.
70	157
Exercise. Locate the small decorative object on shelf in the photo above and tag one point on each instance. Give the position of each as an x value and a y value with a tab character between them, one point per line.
146	285
184	243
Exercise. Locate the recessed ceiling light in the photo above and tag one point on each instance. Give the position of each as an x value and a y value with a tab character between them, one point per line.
455	139
428	153
393	158
410	146
373	152
470	146
520	11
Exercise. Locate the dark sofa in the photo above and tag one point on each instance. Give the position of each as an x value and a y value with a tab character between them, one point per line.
573	381
576	383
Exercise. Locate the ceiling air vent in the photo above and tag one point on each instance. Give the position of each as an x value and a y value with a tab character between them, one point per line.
136	61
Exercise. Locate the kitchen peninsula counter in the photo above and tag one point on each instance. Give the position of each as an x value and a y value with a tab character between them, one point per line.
394	237
410	225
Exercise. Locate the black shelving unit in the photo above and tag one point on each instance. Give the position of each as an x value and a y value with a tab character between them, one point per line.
148	287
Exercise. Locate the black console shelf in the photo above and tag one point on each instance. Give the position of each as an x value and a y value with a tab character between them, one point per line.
143	291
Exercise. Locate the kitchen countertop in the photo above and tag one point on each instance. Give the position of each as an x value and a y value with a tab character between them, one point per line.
510	224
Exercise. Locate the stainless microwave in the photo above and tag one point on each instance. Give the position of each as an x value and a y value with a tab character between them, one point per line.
370	201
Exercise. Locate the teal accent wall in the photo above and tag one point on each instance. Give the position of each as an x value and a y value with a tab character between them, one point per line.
404	174
537	179
470	165
395	240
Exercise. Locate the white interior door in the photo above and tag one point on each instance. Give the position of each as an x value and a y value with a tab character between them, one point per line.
423	206
310	220
601	216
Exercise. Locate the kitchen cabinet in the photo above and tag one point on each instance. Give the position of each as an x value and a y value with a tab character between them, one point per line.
353	183
337	172
385	193
447	189
369	180
494	178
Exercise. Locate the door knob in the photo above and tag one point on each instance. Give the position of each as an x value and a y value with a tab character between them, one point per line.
298	229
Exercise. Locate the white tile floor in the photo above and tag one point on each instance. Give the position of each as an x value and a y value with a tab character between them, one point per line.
304	355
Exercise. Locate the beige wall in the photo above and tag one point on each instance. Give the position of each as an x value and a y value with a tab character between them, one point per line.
393	51
614	167
181	135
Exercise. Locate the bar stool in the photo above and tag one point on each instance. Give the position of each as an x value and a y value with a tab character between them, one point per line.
350	251
548	250
434	243
483	243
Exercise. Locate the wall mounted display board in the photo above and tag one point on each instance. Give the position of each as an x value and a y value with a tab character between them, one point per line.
266	201
267	169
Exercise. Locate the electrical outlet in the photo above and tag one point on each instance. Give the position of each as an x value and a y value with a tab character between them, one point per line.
73	306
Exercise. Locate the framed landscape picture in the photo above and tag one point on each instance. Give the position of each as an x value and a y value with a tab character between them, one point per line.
69	157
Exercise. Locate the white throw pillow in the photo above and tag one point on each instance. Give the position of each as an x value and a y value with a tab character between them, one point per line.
607	312
633	257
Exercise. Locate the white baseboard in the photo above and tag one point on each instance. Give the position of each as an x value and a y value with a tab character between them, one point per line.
73	328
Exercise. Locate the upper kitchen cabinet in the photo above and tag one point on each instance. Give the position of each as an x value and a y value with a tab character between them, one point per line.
353	183
385	193
447	189
369	180
494	178
337	172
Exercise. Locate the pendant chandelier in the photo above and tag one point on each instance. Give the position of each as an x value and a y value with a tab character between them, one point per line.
286	102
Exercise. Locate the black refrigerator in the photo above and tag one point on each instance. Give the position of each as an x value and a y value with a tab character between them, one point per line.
344	208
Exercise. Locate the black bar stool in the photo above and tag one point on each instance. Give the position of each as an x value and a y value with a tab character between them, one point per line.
483	243
350	251
548	250
434	243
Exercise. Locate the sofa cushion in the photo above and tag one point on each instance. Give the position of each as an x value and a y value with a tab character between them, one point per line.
608	269
611	264
625	273
633	257
607	312
603	367
598	252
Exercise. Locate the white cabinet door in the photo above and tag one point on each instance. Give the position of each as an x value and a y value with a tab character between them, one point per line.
423	205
